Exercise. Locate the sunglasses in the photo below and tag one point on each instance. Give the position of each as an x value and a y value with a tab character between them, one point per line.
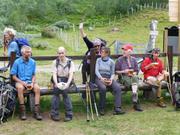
156	52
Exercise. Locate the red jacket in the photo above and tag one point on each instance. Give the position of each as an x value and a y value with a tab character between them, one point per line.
154	70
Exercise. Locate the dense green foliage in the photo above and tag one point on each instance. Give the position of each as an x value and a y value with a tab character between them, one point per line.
24	13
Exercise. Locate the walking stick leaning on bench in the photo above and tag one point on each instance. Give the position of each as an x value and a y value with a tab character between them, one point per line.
94	100
169	82
89	103
90	97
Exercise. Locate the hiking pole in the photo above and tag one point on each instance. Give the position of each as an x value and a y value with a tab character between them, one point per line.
169	84
87	106
90	102
94	100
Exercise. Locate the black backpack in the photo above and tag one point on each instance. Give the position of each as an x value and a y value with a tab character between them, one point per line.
176	89
7	101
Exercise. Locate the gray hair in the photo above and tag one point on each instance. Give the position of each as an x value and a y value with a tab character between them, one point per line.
10	31
25	48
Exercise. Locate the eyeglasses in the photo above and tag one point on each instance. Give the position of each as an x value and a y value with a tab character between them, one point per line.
96	46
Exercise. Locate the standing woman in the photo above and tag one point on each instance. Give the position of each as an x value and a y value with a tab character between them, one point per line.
10	44
105	73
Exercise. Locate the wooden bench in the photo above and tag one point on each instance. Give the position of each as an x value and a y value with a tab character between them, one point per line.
82	88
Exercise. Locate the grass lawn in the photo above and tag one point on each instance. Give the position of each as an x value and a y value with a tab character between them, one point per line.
152	121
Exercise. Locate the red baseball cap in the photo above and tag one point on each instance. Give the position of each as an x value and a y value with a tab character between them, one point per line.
127	47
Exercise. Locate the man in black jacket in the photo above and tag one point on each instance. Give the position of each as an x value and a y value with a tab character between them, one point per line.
96	43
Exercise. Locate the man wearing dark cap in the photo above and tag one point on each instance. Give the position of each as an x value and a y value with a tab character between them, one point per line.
127	68
154	73
96	43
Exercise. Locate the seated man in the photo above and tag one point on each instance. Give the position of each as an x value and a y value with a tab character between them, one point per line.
63	69
154	73
23	73
127	69
105	78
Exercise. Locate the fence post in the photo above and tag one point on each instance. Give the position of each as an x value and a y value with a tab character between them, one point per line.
170	61
92	64
12	59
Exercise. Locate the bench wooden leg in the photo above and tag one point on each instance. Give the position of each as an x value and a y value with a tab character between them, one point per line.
31	101
149	94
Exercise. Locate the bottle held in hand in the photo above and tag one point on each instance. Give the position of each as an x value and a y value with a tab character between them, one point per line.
29	86
130	72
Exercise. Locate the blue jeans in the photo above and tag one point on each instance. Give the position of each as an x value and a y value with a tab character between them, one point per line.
56	101
116	89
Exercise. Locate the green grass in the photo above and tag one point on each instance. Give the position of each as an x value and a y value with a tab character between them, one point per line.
152	121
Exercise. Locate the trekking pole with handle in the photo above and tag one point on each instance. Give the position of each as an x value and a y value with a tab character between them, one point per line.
169	79
90	102
87	106
94	100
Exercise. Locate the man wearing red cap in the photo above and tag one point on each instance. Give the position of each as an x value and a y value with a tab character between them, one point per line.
154	73
127	69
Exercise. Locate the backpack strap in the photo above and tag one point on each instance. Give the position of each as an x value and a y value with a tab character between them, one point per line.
67	65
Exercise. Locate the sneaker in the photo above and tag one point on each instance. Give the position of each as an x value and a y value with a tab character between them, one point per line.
118	111
55	117
66	119
137	107
160	102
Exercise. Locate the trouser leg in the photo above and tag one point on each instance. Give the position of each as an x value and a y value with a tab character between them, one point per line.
134	89
102	94
55	103
67	104
117	93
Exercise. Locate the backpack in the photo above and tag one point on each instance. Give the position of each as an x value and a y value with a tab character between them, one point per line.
7	101
21	42
176	89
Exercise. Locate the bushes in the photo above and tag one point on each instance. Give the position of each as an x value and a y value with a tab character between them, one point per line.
65	7
41	45
20	13
50	32
64	24
32	28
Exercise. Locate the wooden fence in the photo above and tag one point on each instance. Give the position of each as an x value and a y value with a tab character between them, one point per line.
93	57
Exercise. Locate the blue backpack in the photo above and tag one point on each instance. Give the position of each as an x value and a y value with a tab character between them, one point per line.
21	42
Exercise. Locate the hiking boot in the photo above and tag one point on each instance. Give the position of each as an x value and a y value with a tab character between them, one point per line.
118	111
22	110
55	117
177	106
101	112
37	114
137	107
66	119
160	102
